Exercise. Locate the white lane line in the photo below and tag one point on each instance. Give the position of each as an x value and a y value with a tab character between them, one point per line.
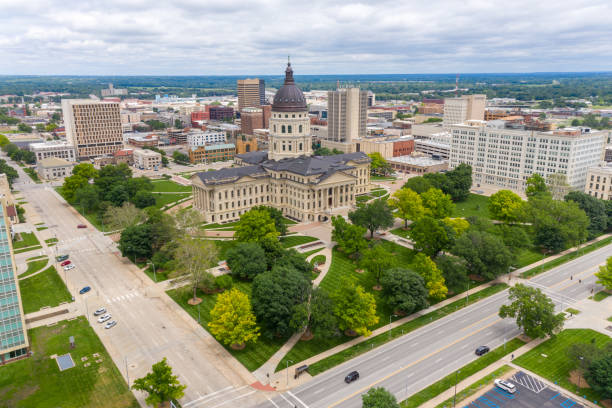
297	399
233	399
207	396
272	402
288	402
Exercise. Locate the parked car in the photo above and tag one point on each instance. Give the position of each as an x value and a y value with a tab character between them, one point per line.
84	290
506	386
66	263
100	311
104	318
482	350
81	226
110	324
68	267
352	376
61	258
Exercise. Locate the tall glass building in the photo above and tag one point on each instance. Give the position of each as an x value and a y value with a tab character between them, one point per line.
13	336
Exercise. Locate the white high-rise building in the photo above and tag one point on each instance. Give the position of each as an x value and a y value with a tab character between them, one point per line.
347	114
467	107
197	138
506	158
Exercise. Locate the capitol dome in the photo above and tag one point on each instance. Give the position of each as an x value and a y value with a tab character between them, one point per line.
289	97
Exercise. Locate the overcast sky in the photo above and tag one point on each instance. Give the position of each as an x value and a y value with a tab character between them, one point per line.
226	37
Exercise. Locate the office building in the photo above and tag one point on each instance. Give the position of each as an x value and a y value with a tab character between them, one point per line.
371	99
246	144
54	168
251	93
54	148
93	128
212	153
287	176
13	336
417	164
433	148
347	111
198	138
505	157
147	159
467	107
220	112
112	91
599	182
250	119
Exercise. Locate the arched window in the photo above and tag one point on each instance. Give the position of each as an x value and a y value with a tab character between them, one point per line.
300	128
283	129
289	129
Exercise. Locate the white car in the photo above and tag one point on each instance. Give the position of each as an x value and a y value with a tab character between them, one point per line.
100	311
110	324
506	386
104	318
69	267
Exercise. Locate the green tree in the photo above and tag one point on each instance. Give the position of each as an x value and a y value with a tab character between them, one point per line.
505	206
232	321
459	182
316	315
376	260
437	204
136	184
604	276
254	226
144	199
71	185
594	208
599	375
180	158
118	195
418	184
404	290
408	204
535	185
121	217
378	398
485	254
163	227
188	220
431	236
135	242
275	296
277	217
160	385
373	216
349	237
378	165
454	271
87	197
194	257
533	310
434	281
22	127
11	173
246	260
85	170
355	308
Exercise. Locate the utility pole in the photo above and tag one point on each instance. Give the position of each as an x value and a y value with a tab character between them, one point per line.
288	370
455	397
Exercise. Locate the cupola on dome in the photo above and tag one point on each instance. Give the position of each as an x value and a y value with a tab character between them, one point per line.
289	97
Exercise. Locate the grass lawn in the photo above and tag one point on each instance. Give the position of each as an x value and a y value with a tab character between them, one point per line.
467	370
475	205
572	311
354	351
27	239
37	382
19	251
215	225
556	366
400	232
162	200
601	295
319	260
41	228
314	251
34	258
43	289
167	186
291	241
51	240
528	256
382	178
475	387
34	266
610	319
253	355
159	274
32	173
566	258
378	193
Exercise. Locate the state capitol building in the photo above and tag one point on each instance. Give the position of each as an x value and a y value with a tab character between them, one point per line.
287	177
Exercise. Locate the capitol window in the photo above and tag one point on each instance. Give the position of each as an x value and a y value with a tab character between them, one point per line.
283	129
289	129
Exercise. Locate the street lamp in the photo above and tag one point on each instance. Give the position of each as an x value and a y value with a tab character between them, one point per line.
390	316
580	375
127	373
154	274
288	370
467	296
455	397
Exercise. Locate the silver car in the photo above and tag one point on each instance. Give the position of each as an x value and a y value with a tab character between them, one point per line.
110	324
104	318
100	311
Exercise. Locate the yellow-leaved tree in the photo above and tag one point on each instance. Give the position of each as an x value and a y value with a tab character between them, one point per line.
232	319
434	280
355	309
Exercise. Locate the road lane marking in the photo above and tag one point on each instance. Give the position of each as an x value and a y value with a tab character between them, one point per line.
272	402
412	364
297	399
206	396
233	399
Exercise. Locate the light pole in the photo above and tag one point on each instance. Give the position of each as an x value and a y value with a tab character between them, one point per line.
467	296
580	375
198	313
154	274
455	397
390	316
127	373
288	371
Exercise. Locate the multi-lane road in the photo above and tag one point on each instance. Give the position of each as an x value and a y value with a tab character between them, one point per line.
412	362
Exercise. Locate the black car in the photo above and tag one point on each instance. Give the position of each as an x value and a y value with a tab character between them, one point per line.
482	350
352	376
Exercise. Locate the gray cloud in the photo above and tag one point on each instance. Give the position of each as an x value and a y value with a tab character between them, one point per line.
195	37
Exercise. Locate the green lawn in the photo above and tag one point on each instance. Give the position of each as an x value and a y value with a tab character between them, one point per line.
314	251
43	289
51	241
400	232
167	186
378	193
32	173
354	351
475	205
382	178
556	366
467	370
27	239
601	295
215	225
528	256
566	258
319	260
34	266
293	240
253	355
37	382
162	200
477	386
19	251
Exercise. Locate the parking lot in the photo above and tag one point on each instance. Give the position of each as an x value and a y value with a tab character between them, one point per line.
530	393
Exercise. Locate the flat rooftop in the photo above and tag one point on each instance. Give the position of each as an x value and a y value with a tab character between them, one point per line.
416	161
